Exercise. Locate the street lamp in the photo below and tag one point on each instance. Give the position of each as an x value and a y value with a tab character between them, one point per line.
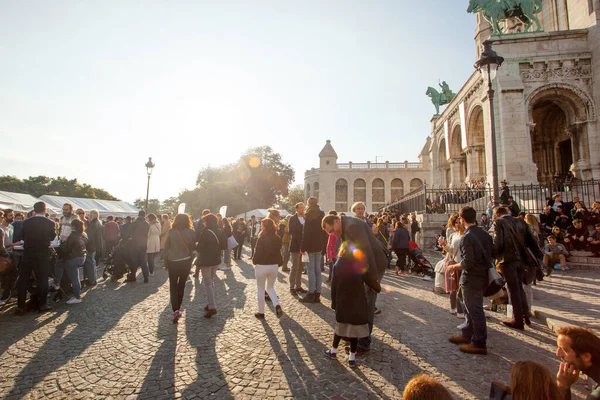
488	65
149	166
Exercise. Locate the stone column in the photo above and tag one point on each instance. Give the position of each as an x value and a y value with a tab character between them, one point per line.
455	166
474	155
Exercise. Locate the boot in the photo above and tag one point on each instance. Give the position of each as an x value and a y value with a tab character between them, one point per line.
309	298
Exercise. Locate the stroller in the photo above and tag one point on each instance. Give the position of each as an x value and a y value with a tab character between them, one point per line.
418	264
116	261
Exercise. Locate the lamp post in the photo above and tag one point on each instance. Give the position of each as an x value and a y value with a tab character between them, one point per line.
149	166
488	65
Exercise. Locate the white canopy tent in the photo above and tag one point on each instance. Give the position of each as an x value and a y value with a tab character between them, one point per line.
18	201
259	213
104	207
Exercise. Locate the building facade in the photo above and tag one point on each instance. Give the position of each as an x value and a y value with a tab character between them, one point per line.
545	105
338	186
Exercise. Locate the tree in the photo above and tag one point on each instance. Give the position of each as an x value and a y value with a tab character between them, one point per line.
295	196
40	185
153	205
169	205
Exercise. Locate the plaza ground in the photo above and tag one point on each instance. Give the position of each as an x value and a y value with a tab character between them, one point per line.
120	343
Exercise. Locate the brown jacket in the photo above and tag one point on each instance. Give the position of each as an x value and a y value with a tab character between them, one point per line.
165	228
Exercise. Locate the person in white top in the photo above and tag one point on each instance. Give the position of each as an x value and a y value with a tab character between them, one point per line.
452	248
65	221
153	244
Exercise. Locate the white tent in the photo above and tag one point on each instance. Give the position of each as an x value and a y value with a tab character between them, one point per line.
104	207
19	201
259	213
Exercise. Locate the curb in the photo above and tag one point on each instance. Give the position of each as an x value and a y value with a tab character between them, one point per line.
547	319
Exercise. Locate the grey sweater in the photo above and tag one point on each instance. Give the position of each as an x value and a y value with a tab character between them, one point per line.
180	244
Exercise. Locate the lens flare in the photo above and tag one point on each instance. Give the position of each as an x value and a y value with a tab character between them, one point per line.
254	162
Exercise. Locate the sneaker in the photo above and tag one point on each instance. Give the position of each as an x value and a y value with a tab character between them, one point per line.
151	273
329	354
224	268
427	278
209	313
460	315
453	311
301	290
176	315
259	315
278	311
74	300
54	286
400	273
352	363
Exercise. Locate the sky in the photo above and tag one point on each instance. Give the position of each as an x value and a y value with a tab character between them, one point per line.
91	89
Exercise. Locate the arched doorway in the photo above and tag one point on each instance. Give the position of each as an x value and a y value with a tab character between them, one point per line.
476	168
443	165
316	190
360	191
457	158
397	189
415	184
341	195
377	195
558	130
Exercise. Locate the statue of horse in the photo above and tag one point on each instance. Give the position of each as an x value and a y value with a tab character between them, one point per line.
439	99
496	11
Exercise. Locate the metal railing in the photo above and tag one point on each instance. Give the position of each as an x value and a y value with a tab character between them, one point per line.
530	198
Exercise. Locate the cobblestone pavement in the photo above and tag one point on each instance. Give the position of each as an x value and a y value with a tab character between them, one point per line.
120	343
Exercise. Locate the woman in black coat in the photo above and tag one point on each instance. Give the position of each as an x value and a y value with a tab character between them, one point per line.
349	300
400	245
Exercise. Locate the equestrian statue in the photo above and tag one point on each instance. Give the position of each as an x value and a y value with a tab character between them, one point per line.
496	11
439	99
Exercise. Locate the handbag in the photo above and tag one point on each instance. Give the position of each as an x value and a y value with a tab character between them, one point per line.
533	269
495	281
231	242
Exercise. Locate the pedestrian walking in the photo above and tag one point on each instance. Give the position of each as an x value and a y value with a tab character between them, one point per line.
314	242
153	243
228	231
453	256
211	240
284	234
239	233
139	241
179	243
296	227
93	229
400	244
267	259
349	300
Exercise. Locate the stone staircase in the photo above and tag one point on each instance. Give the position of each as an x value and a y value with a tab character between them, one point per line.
582	260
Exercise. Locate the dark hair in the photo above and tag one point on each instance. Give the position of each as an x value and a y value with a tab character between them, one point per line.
225	222
128	218
8	210
583	340
468	214
110	218
597	225
152	217
551	237
268	227
40	207
329	220
332	212
182	221
77	226
522	214
498	211
210	220
20	214
164	216
142	214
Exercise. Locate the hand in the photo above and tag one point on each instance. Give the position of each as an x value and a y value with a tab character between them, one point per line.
581	239
567	375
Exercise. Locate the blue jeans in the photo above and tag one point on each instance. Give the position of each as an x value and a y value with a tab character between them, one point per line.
72	267
139	260
476	329
89	267
313	270
365	343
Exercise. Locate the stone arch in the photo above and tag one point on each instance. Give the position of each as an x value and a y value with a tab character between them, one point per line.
360	191
341	195
316	190
443	164
308	192
397	188
558	114
455	142
377	194
476	165
415	184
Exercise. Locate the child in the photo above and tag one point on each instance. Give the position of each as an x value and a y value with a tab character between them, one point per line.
348	298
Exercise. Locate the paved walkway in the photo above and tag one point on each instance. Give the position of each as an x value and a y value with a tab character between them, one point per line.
120	343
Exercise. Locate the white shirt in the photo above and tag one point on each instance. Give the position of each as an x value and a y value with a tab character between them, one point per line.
302	220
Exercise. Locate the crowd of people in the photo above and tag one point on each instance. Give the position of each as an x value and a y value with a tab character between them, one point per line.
356	249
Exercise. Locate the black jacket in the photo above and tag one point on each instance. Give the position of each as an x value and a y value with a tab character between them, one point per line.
94	234
507	245
348	297
477	251
38	232
267	250
295	228
358	232
504	195
75	246
210	242
401	239
139	232
314	238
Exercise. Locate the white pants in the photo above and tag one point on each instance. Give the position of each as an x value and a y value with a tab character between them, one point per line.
266	273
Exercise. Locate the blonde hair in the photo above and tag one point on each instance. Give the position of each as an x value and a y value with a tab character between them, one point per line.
532	221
